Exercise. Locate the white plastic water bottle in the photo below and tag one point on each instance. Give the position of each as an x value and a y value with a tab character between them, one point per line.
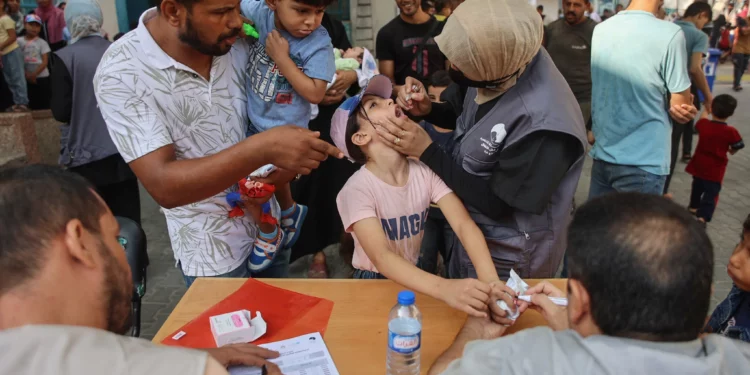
404	336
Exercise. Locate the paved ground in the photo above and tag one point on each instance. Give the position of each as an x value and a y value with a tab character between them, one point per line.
165	286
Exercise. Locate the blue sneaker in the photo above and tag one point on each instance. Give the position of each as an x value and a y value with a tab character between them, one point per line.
264	250
291	223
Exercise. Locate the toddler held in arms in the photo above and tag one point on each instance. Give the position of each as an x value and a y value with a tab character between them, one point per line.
288	70
385	204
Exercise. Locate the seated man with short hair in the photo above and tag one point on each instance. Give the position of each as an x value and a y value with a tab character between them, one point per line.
65	282
641	269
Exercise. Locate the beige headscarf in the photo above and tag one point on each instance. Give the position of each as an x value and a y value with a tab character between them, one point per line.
492	39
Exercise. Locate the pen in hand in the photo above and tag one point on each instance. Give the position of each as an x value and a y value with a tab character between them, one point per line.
556	300
263	370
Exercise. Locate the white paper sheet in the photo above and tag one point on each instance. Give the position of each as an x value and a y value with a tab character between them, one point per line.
303	355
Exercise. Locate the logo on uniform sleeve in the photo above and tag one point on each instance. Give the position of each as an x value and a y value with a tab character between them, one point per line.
497	136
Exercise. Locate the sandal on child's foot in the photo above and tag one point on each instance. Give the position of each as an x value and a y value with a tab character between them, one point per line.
291	222
265	249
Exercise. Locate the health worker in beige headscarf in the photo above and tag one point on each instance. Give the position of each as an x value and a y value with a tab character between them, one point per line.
518	147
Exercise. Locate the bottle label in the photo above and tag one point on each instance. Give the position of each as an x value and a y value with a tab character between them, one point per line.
404	344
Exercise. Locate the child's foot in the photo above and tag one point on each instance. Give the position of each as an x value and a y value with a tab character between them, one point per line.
265	249
702	221
318	268
18	108
291	223
254	189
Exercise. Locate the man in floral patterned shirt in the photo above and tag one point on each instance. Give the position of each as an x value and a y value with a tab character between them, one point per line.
172	93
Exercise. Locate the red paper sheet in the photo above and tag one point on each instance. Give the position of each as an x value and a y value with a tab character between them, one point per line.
288	314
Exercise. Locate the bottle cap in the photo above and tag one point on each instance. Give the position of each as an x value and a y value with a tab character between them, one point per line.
406	297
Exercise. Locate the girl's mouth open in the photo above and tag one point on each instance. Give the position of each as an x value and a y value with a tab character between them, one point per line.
399	113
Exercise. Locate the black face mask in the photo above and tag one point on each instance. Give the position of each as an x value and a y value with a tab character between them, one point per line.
460	79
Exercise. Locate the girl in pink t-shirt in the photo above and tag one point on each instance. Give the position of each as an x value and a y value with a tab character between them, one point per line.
384	205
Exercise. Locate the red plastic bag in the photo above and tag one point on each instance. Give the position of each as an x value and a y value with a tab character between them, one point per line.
288	314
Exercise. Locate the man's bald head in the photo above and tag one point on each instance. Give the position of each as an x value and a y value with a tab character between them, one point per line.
36	204
646	264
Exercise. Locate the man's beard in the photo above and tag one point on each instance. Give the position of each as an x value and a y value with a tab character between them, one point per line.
191	38
415	9
118	290
575	17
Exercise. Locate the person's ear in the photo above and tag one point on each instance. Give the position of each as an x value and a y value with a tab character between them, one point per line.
579	302
78	242
272	4
361	138
172	11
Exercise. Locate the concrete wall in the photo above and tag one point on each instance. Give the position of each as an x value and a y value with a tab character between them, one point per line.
368	16
550	9
29	138
47	136
111	26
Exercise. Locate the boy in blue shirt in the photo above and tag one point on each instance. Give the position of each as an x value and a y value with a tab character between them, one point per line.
289	68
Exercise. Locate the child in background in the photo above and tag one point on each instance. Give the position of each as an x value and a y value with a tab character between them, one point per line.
351	59
36	59
357	59
15	12
385	205
289	68
436	85
433	242
709	163
443	10
731	317
11	61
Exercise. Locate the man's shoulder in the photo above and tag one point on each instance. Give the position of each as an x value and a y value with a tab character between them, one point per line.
669	29
391	26
530	351
544	339
74	347
690	29
733	354
590	24
122	53
556	25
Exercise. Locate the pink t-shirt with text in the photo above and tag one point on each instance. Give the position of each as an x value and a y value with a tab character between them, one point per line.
402	210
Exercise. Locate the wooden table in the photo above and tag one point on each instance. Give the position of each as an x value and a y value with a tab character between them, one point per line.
358	328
